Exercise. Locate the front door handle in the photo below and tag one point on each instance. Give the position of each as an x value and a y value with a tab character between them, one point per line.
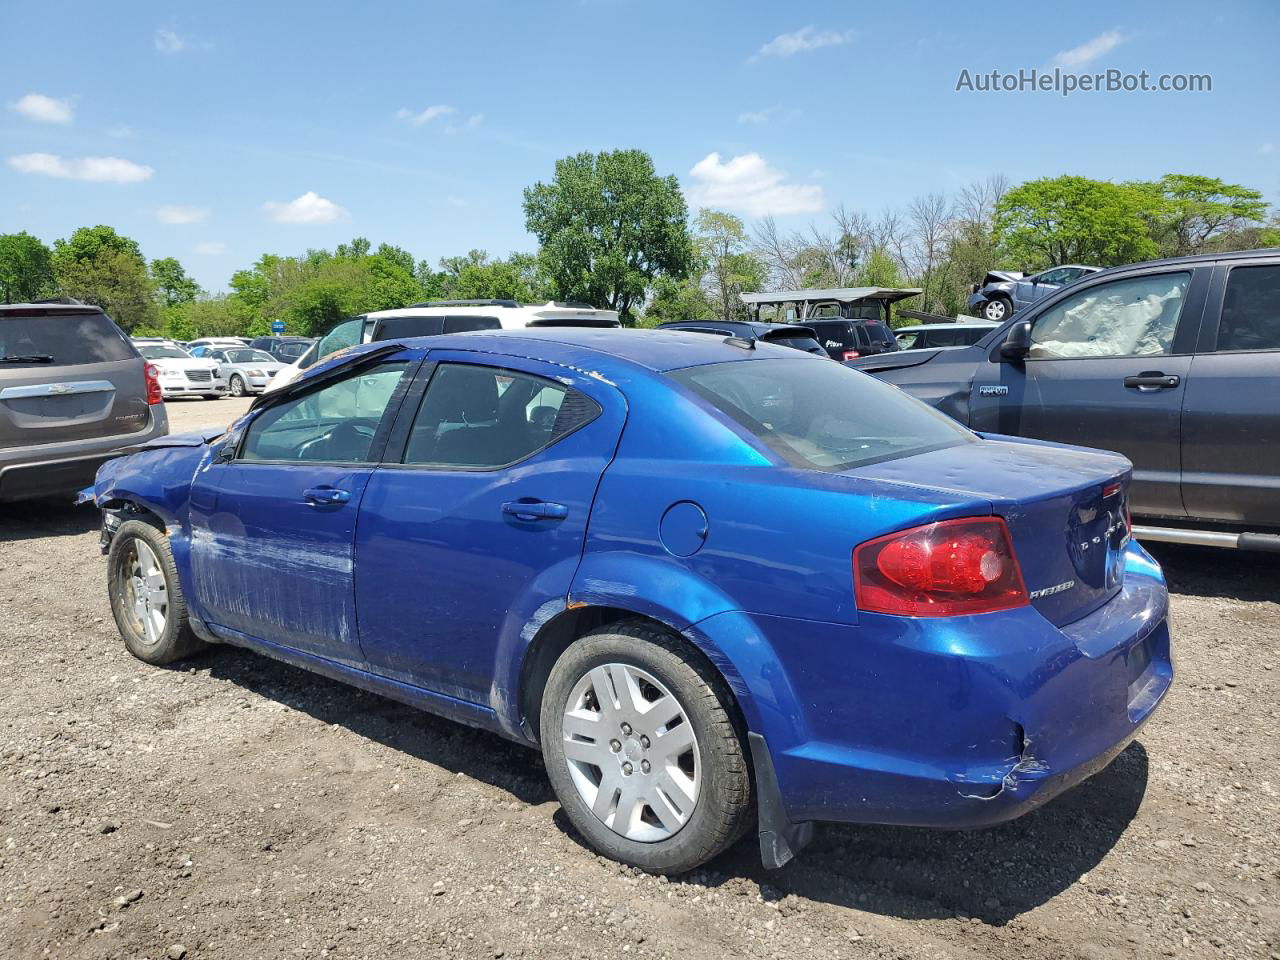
326	496
1153	380
535	510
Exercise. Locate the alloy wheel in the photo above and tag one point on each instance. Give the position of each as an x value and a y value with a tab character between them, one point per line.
146	594
631	752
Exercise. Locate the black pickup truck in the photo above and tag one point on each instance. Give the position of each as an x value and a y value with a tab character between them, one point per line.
1174	363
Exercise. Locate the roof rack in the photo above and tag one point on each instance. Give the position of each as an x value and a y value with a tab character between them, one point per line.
69	301
465	303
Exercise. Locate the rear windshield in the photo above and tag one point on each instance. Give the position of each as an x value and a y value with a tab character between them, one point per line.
61	338
798	343
822	415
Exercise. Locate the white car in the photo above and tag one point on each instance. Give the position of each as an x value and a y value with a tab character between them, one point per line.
444	316
245	369
202	346
182	375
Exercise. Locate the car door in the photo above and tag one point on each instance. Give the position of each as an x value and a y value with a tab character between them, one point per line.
1108	368
481	517
273	515
1230	418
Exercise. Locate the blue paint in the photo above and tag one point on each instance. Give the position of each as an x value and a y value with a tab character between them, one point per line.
422	588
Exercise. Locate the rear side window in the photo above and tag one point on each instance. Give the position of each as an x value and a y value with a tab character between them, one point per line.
486	417
823	416
463	324
64	339
879	333
1251	310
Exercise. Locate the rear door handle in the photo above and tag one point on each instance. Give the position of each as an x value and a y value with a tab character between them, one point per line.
326	496
535	510
1153	380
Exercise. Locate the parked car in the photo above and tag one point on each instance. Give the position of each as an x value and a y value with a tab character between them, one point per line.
1003	293
73	392
444	316
284	349
182	375
783	334
848	339
849	322
707	578
245	370
1172	363
922	336
202	345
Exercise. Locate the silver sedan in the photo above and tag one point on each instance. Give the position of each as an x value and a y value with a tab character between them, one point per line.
245	370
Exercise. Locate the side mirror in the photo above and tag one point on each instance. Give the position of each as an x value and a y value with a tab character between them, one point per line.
1017	343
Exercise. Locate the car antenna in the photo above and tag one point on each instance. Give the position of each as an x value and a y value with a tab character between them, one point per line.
746	343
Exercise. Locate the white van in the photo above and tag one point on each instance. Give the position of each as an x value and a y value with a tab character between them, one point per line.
444	316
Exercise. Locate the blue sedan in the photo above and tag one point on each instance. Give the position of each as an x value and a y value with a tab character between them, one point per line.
719	583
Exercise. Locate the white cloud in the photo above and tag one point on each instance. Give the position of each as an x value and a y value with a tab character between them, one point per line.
210	249
471	123
95	169
308	208
1266	148
168	41
455	201
747	184
45	109
803	40
426	116
1088	51
757	117
174	214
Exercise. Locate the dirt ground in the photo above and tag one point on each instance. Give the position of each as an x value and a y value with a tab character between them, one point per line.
237	808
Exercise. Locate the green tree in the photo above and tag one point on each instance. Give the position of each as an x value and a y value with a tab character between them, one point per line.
26	268
608	226
1075	220
730	266
115	280
1193	213
673	300
89	243
172	284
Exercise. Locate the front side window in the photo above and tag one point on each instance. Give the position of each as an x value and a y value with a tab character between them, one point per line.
334	424
822	415
1251	310
486	417
1125	318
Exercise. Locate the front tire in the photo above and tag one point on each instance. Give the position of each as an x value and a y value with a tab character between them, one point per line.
146	597
237	386
642	748
997	309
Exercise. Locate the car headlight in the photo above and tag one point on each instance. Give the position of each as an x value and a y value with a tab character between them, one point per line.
254	373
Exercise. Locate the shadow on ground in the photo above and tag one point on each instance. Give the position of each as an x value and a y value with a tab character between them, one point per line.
48	517
1213	572
993	874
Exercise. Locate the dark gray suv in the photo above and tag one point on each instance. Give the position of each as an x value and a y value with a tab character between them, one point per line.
73	392
1174	363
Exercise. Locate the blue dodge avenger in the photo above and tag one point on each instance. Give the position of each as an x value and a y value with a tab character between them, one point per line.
718	583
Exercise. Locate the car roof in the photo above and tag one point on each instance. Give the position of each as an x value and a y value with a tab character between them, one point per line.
1195	259
656	350
754	326
967	325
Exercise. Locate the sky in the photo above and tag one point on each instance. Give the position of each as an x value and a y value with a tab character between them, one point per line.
217	132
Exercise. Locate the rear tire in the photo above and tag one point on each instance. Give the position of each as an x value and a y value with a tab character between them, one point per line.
146	597
662	809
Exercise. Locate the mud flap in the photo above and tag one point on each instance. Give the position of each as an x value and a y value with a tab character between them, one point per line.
780	839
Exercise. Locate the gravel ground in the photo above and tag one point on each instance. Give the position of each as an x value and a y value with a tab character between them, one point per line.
234	807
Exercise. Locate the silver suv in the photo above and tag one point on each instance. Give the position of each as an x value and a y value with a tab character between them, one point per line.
73	392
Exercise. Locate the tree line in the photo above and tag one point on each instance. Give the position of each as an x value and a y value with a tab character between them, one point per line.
614	233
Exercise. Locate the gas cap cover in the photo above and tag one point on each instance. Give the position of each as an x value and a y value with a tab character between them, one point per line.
684	528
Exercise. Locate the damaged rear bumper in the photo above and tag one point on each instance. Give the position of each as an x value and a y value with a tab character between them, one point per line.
963	722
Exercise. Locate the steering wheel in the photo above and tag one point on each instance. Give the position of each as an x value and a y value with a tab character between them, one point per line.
349	440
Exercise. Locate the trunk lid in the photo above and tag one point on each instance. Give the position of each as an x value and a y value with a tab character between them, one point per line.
1065	508
67	375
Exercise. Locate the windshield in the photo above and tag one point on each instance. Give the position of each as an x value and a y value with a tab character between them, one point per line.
249	356
162	352
61	338
822	415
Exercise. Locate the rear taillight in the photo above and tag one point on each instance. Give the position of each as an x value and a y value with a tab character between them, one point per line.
851	355
154	393
946	569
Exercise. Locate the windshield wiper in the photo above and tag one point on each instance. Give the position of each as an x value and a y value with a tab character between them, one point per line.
28	358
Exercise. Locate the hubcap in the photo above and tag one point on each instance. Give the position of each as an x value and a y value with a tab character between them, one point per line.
237	386
631	752
147	597
995	310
